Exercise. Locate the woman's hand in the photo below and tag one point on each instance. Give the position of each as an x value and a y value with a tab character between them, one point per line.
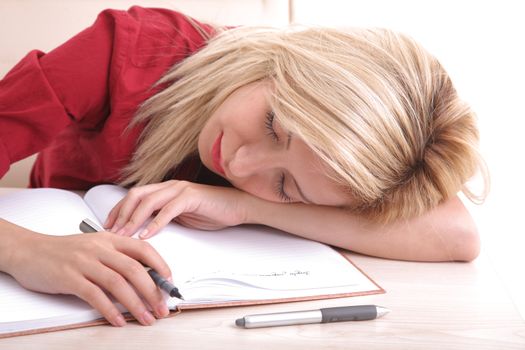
87	266
193	205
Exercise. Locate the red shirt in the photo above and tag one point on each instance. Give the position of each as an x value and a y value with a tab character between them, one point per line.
74	103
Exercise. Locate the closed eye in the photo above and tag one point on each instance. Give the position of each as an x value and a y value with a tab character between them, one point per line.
270	130
268	123
279	190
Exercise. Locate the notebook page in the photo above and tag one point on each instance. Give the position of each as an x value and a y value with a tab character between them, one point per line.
257	258
54	212
45	210
25	310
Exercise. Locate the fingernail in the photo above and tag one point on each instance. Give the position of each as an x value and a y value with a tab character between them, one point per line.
113	229
162	310
144	233
147	318
121	232
119	321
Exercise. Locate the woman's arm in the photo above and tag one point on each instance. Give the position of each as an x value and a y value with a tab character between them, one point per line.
86	266
446	233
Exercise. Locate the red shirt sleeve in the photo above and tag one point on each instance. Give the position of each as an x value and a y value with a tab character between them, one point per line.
74	104
44	93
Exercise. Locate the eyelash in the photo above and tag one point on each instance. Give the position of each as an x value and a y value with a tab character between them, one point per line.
279	187
268	123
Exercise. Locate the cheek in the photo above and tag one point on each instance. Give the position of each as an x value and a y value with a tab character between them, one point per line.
258	188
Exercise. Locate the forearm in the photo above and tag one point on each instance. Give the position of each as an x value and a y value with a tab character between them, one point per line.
445	234
10	237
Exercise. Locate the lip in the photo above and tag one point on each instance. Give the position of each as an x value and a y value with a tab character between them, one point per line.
216	155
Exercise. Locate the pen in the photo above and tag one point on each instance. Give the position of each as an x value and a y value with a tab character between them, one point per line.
326	315
88	226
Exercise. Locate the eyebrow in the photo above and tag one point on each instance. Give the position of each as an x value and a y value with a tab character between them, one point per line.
306	200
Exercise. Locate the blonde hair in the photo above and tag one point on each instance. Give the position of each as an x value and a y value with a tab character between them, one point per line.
378	109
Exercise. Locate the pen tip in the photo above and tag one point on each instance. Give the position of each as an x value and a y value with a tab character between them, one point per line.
381	311
175	293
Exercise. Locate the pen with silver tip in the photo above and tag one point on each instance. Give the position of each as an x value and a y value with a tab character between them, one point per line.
326	315
88	226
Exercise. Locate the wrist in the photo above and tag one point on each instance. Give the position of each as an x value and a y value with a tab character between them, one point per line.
263	212
254	208
13	242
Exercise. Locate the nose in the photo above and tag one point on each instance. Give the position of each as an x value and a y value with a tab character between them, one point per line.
251	159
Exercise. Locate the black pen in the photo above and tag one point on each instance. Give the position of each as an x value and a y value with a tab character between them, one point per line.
326	315
88	226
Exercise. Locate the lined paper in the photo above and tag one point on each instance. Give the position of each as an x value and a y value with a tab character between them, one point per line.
45	210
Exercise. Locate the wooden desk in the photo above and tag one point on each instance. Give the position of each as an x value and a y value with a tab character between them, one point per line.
434	306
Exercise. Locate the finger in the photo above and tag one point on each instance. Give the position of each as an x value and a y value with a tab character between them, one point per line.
144	253
135	273
149	204
121	290
117	217
171	210
128	204
95	297
112	216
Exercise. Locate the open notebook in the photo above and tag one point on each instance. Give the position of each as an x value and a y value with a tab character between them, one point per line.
234	266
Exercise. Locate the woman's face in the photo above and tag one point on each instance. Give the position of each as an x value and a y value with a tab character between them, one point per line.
243	144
